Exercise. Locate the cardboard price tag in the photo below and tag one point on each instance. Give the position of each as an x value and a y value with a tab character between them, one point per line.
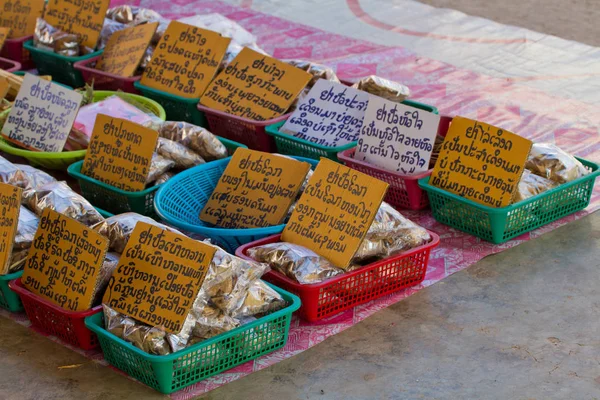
3	36
397	137
125	49
4	87
330	115
10	206
256	190
481	162
255	86
185	60
42	115
158	277
120	153
64	262
335	212
20	16
84	18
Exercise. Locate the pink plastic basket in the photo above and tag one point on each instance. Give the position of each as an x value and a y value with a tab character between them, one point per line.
103	80
241	130
404	190
9	65
13	50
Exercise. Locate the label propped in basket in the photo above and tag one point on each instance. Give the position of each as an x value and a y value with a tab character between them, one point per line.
255	86
397	137
42	115
330	115
84	18
120	153
158	277
335	212
20	16
481	162
64	262
4	87
256	190
10	206
125	49
185	60
3	35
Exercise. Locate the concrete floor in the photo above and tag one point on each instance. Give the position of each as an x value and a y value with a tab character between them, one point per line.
522	324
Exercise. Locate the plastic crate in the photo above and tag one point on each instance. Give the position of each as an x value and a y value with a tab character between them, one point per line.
176	371
181	198
13	50
62	160
103	80
9	65
61	68
293	146
498	225
178	108
105	214
49	318
117	201
249	132
10	300
334	295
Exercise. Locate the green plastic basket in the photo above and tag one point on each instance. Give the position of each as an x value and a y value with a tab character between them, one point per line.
117	201
178	108
293	146
498	225
62	160
9	300
59	67
173	372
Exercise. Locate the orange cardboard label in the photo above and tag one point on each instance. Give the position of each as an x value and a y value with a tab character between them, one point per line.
125	49
20	16
255	86
335	212
481	162
84	18
256	190
185	60
4	87
3	36
10	206
120	153
158	277
64	262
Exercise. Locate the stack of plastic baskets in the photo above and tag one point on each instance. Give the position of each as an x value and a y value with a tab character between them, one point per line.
178	108
103	80
13	50
9	65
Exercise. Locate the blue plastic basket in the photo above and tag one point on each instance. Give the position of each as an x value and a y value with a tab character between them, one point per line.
180	200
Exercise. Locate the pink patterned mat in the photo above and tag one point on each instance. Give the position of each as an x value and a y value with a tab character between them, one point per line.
570	124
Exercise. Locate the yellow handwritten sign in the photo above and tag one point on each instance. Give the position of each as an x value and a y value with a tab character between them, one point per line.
185	60
335	212
10	205
120	153
255	86
256	190
84	18
125	49
3	36
481	162
64	262
20	16
4	87
158	277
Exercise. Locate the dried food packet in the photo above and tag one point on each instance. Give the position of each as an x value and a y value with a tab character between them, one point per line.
550	162
158	166
531	185
389	90
183	157
196	138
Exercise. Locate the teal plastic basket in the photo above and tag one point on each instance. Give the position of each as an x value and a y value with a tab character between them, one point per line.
293	146
176	371
180	200
10	300
498	225
61	68
178	108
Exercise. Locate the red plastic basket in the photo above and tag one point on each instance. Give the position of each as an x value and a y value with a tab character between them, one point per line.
9	65
13	50
104	80
50	319
404	190
345	291
242	130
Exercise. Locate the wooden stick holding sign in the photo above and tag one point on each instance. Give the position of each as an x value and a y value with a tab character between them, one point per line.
481	162
125	49
158	277
20	16
10	206
255	86
84	18
185	60
335	212
256	190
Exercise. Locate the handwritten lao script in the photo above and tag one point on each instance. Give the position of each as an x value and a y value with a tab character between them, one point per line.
81	17
20	16
10	207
